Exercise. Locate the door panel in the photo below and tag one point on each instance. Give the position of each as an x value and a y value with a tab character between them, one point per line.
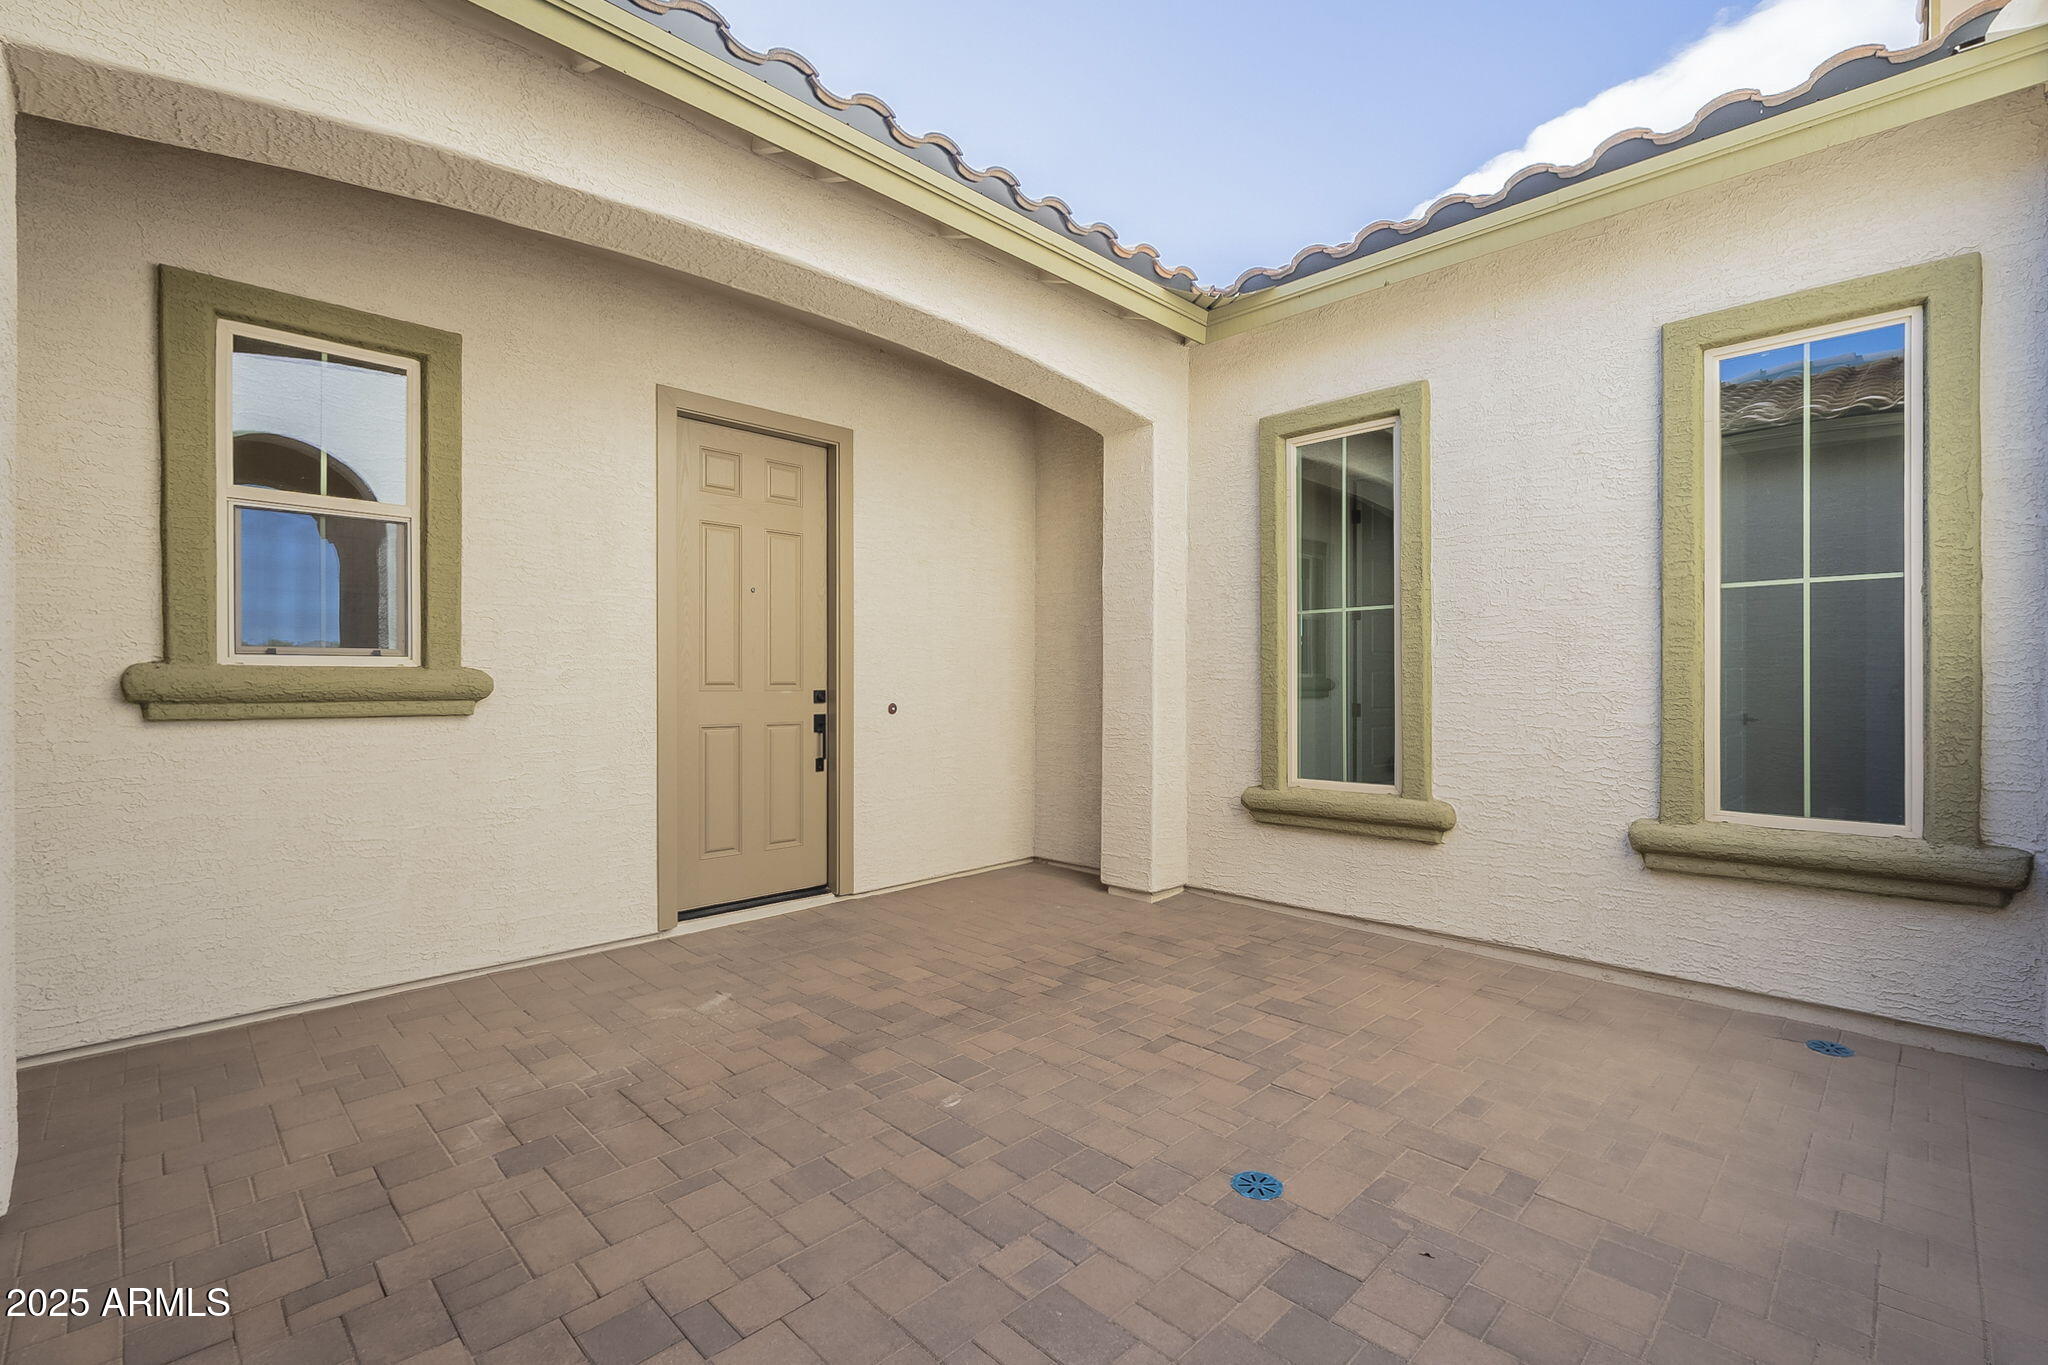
785	610
718	756
719	471
785	782
785	482
753	605
719	589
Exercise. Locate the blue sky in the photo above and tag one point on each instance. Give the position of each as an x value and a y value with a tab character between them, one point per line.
1230	135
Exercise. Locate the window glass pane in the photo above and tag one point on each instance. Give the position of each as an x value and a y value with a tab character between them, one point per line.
1371	756
1763	700
267	460
1319	521
1762	430
319	582
1345	718
1859	453
1370	507
1319	697
308	422
1814	445
1859	701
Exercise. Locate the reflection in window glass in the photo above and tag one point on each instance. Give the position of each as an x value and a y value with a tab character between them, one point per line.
1813	584
309	422
1763	700
1344	600
1858	648
319	582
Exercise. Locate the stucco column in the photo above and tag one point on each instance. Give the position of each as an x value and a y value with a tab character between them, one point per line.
1144	661
9	352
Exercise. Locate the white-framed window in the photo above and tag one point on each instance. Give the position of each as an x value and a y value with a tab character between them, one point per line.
318	459
1343	527
1815	585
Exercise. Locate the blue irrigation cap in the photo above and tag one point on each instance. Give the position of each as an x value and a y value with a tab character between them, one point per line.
1256	1185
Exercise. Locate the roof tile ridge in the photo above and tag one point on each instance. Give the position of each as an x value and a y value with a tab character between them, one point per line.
1409	226
909	140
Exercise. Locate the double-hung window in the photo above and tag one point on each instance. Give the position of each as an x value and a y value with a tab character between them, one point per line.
312	511
319	465
1344	496
1822	673
1816	610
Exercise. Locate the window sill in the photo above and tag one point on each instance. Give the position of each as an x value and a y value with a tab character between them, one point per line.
1983	876
1379	814
168	691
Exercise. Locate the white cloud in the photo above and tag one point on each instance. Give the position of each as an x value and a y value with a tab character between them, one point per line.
1773	48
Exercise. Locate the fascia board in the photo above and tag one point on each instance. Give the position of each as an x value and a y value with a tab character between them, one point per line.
659	60
642	52
1970	77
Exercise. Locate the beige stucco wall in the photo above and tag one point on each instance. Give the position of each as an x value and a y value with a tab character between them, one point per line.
1068	802
150	848
173	873
9	360
439	102
1543	367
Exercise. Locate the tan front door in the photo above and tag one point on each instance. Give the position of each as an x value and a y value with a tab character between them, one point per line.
752	668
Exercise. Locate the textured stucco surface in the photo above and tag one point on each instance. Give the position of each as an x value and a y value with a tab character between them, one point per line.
190	682
1144	811
178	873
1543	364
437	102
9	357
1069	696
1408	812
166	888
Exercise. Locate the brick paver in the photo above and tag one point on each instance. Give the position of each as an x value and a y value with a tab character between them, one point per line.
992	1122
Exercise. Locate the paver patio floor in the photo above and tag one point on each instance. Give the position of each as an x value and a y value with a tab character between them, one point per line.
993	1120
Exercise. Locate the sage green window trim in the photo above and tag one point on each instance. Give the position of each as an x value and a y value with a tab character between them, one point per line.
192	682
1948	862
1410	811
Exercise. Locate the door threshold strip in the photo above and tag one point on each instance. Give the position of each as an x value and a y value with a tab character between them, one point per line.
750	903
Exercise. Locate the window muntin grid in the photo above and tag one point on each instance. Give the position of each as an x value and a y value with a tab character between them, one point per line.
1815	587
1344	554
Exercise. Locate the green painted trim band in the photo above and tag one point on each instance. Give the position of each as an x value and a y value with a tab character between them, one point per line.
1411	812
238	683
302	710
653	57
1378	813
1875	864
1949	293
1890	886
191	682
1985	72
